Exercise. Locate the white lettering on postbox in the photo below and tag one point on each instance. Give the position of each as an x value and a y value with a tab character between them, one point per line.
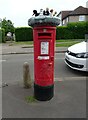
43	57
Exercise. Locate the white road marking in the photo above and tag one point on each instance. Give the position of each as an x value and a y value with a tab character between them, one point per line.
2	60
69	78
59	58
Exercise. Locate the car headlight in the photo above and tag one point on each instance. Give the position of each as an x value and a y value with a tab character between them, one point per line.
82	55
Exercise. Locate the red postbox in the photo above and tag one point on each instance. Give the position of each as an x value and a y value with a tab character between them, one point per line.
44	35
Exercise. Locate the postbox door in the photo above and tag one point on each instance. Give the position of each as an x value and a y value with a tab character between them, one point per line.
44	71
44	40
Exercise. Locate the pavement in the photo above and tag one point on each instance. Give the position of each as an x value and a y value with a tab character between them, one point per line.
69	99
10	48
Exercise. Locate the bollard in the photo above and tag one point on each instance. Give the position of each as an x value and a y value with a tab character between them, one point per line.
26	76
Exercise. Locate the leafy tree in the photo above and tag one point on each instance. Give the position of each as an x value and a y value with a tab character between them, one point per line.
8	26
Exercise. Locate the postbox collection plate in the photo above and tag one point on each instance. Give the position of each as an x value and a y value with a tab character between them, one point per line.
44	48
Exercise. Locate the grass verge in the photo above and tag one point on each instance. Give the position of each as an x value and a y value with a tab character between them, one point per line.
66	44
30	99
59	43
24	43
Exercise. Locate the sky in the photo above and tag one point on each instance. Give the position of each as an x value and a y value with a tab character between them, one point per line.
19	11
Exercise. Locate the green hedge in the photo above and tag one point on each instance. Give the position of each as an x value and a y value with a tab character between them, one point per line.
62	32
72	31
2	36
23	34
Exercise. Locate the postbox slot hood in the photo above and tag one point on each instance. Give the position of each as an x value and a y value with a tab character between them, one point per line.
44	34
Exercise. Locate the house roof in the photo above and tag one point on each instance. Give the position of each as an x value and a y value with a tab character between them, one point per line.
78	11
65	13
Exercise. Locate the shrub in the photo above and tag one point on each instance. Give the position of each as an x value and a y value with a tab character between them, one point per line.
63	32
79	29
23	34
8	26
2	35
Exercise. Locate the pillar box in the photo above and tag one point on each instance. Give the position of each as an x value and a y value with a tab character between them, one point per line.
44	35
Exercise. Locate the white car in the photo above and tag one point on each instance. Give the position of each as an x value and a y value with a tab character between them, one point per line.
76	56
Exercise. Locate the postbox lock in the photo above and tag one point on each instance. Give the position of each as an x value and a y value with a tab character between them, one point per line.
49	64
52	58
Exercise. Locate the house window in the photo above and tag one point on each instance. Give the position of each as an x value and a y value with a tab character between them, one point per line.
63	22
67	19
81	18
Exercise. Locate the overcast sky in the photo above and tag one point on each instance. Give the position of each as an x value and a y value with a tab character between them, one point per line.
19	11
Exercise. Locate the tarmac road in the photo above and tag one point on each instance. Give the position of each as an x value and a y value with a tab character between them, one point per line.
12	67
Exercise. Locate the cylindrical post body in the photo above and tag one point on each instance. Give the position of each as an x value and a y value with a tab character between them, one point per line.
44	45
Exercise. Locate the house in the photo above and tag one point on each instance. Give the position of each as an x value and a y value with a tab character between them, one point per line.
79	14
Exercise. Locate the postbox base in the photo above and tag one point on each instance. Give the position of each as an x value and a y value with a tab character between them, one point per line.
43	93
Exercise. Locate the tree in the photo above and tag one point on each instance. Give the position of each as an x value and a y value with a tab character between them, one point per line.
8	26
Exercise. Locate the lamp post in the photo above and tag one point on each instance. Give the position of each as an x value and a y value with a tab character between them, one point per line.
0	30
86	37
86	11
0	71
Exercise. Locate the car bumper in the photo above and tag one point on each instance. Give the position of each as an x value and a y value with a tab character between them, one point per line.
76	63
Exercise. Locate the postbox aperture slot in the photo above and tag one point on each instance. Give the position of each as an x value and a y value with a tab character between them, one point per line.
44	34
